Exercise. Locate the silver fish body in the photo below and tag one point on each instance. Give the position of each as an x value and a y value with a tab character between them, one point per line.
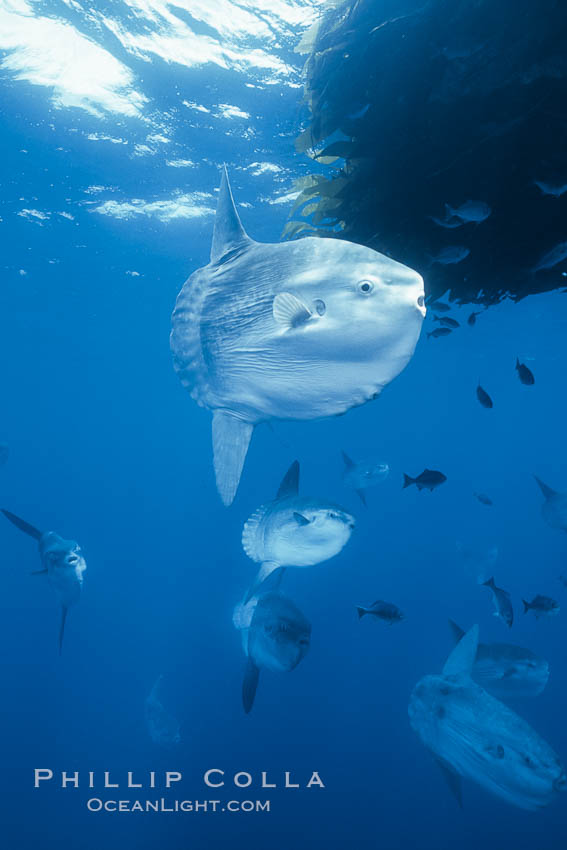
475	736
296	330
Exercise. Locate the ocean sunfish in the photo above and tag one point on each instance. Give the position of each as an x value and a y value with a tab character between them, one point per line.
473	735
62	563
363	474
554	509
163	727
294	531
505	670
275	636
295	330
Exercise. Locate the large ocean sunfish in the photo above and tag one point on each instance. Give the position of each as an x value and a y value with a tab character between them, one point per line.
296	330
62	563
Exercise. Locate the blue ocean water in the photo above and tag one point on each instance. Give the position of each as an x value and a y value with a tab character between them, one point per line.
110	161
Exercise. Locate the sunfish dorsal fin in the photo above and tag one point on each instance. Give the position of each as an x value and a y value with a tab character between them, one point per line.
458	633
547	491
228	232
349	464
22	525
462	658
231	438
290	482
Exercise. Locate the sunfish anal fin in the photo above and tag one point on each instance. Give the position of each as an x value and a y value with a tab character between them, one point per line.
290	482
22	525
231	437
461	660
228	232
64	610
453	780
289	311
458	633
267	568
249	685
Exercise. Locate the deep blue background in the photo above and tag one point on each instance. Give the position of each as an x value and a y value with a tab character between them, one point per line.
107	448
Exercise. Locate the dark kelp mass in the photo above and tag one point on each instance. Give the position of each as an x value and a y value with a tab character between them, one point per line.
427	109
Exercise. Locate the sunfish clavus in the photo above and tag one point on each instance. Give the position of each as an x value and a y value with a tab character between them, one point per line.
62	563
472	734
296	330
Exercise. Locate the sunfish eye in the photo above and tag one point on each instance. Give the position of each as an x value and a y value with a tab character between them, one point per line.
365	286
320	306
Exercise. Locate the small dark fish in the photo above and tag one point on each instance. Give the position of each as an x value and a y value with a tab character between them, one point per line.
472	319
428	480
439	332
484	398
502	602
542	606
525	375
386	611
484	500
440	307
446	321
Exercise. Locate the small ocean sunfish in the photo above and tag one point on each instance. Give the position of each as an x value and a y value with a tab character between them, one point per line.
275	636
386	611
554	509
163	727
505	670
429	479
475	736
62	563
294	531
363	474
502	603
542	606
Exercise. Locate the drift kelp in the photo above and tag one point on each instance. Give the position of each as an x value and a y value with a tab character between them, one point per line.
473	735
296	330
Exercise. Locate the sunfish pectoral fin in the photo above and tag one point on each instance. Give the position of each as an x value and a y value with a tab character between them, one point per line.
266	570
461	660
300	519
249	685
228	232
452	779
22	525
231	437
64	610
290	482
243	613
547	491
289	311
